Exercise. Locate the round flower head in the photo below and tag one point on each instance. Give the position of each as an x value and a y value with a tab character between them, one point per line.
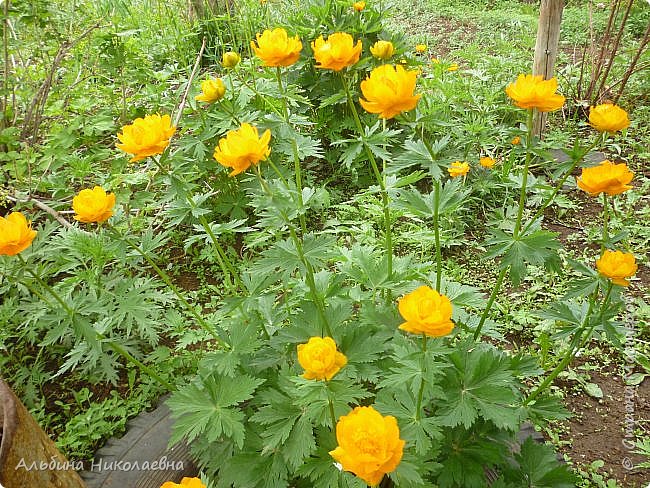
607	177
617	266
359	6
16	234
320	359
185	483
487	162
211	90
458	168
533	91
608	118
146	137
276	48
382	50
338	52
388	91
515	141
420	48
242	147
368	444
91	206
426	312
230	59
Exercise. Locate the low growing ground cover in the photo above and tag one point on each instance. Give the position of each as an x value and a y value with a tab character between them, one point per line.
334	239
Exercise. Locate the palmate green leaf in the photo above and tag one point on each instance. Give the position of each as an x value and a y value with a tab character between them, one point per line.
465	454
252	470
539	468
317	249
539	247
480	384
202	408
320	469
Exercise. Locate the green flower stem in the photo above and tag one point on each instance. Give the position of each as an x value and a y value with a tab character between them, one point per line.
231	113
331	408
73	317
294	148
167	280
436	232
436	216
418	408
558	187
309	270
578	342
524	182
226	265
258	94
488	306
605	223
379	178
516	231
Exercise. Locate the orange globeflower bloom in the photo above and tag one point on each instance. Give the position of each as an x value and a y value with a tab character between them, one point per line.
368	444
389	91
359	6
16	234
93	206
607	177
185	483
532	91
515	141
608	118
146	137
617	266
426	312
276	48
320	359
242	147
458	168
487	162
338	52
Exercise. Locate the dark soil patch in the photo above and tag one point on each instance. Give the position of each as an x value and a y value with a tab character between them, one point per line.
445	29
598	428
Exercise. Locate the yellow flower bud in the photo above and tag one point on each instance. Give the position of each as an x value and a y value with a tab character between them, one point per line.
382	50
230	59
212	90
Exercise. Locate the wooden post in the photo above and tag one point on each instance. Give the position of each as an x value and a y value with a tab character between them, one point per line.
548	39
28	457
